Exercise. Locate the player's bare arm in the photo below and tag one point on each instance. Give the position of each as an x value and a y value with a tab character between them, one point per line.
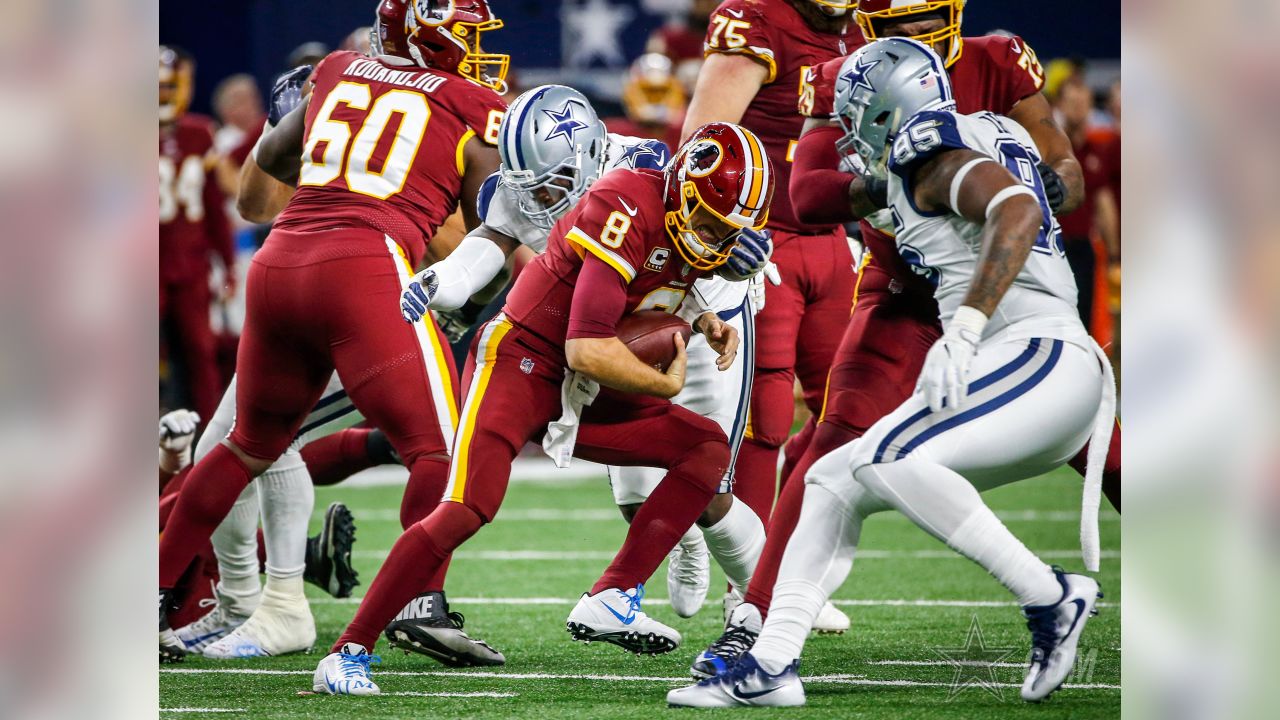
726	85
481	160
989	195
1034	113
721	336
260	197
279	151
610	363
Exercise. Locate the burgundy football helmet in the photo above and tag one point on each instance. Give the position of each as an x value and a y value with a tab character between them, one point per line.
723	170
441	34
872	14
177	71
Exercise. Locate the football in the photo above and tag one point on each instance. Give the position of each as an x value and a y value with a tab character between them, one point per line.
648	334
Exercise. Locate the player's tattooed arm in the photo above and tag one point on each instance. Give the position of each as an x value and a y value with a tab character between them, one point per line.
1036	115
989	195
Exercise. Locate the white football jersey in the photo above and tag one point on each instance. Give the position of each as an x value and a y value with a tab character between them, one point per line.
943	247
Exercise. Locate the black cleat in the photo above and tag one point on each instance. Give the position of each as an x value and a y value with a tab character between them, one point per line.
427	627
171	648
329	553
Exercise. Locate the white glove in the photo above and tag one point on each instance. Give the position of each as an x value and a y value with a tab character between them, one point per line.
945	376
177	430
418	294
756	286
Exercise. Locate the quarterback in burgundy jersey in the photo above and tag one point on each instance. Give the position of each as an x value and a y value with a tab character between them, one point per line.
636	241
895	318
193	225
382	151
756	54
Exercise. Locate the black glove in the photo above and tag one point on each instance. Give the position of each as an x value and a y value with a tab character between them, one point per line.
286	93
1055	191
455	323
876	190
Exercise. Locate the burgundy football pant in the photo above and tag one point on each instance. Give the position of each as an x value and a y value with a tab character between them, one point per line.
184	311
874	371
796	337
513	390
319	301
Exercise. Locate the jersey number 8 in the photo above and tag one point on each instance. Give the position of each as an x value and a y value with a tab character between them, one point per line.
356	155
615	229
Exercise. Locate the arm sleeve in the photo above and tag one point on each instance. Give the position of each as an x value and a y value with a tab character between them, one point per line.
468	268
599	300
820	192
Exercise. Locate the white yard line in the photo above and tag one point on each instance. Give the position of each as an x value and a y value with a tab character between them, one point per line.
455	694
536	468
818	679
612	515
560	555
945	663
665	601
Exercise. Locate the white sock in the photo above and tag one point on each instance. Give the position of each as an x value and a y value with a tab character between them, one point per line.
735	542
235	543
818	558
948	507
283	591
287	498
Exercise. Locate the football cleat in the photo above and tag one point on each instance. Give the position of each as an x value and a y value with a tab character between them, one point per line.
171	648
739	635
329	553
213	625
688	574
830	620
279	626
615	616
426	626
743	684
346	672
1055	632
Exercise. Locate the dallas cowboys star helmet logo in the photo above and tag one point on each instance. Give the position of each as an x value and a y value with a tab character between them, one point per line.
858	75
565	123
634	152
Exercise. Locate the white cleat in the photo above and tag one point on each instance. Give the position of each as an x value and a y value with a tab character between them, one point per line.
830	620
689	574
213	625
615	616
743	684
279	626
1055	633
346	672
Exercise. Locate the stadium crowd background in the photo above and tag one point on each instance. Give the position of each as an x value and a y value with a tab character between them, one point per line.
638	61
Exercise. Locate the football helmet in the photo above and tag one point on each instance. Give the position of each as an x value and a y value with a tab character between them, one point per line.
880	87
177	74
441	34
723	171
552	145
872	15
652	95
835	8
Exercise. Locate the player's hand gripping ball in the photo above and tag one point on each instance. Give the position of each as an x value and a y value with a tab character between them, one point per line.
647	333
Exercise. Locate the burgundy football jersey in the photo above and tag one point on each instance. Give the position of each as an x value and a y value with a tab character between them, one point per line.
993	73
193	220
384	147
621	221
774	33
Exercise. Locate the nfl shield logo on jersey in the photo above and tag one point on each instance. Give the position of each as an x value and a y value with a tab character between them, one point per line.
526	366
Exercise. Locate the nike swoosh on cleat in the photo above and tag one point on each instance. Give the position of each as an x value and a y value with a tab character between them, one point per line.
1079	603
624	620
202	638
751	695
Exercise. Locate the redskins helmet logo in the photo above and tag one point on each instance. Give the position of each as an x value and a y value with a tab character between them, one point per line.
433	12
703	158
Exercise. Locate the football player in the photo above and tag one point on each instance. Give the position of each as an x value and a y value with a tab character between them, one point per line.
373	185
895	318
756	54
637	240
1012	389
193	225
553	147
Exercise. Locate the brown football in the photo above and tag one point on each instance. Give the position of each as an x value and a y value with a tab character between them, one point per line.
648	334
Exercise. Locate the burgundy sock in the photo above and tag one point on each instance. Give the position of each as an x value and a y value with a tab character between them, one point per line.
793	451
412	561
755	476
1110	469
665	516
335	458
207	496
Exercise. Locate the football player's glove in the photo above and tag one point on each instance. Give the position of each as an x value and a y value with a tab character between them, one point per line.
1055	191
177	430
876	189
455	323
945	376
418	294
749	255
286	93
